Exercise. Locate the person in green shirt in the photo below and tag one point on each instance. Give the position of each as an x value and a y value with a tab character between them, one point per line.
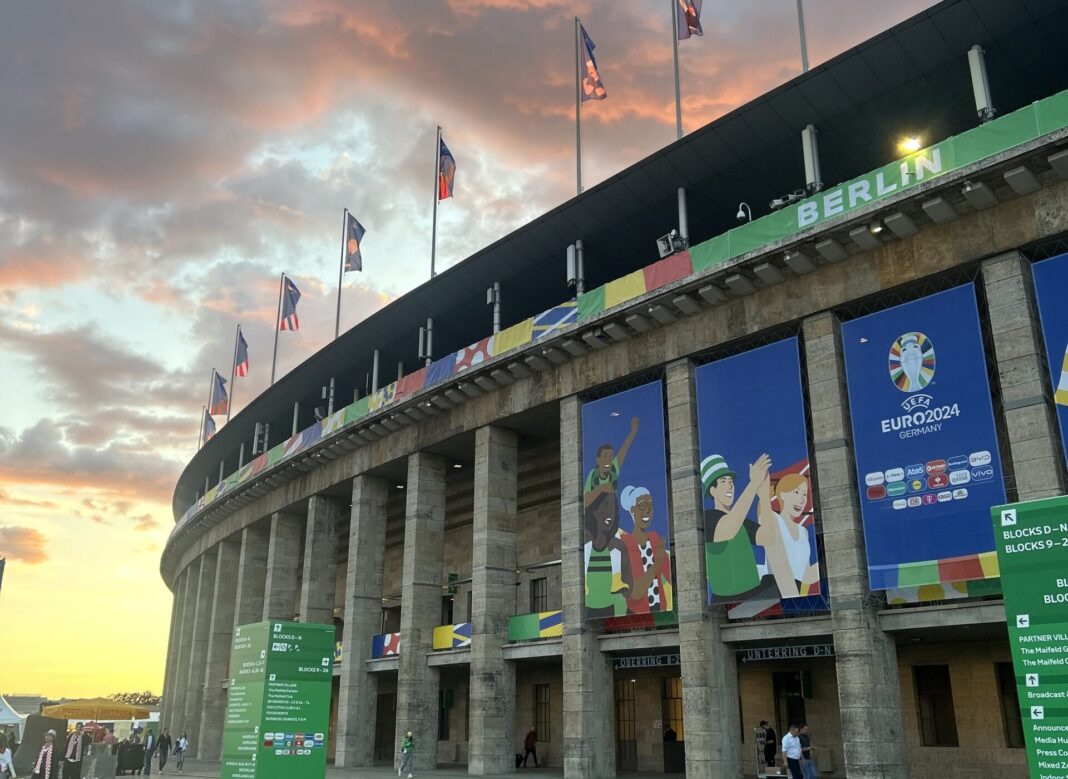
604	476
407	748
729	559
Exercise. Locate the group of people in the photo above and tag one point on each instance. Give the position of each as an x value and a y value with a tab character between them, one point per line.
161	748
796	749
46	764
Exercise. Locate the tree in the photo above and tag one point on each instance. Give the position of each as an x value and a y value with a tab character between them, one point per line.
145	698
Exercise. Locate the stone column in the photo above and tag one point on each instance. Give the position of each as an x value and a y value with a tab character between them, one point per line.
319	581
177	611
220	637
180	682
589	692
491	749
709	668
1032	427
424	532
198	647
358	690
283	567
869	696
251	576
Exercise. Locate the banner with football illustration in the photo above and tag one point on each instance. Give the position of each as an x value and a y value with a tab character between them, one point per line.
627	537
924	441
761	554
1051	288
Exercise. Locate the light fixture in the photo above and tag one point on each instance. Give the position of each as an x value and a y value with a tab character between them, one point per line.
876	228
613	413
742	216
457	465
910	144
400	486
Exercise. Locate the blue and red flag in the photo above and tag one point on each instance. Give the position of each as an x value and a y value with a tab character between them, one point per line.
688	18
592	88
220	403
290	296
353	236
446	171
241	355
208	426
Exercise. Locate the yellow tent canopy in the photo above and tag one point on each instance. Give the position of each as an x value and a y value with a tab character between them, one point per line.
99	709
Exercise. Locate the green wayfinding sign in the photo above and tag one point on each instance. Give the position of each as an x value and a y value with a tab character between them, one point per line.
1032	546
278	705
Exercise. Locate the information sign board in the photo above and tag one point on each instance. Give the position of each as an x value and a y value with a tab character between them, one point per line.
1032	548
278	703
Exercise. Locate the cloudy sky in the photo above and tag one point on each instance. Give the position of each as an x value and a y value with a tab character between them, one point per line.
160	163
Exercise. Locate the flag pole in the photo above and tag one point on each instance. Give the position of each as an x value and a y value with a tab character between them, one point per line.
277	322
233	373
437	178
804	43
578	114
340	274
675	50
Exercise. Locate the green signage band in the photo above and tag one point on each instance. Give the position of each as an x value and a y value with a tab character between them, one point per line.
1032	548
278	704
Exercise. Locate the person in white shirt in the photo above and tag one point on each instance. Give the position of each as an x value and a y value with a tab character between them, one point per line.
7	767
791	752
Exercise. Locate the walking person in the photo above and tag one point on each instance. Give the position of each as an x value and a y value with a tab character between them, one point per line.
179	752
150	747
808	766
407	750
46	766
530	747
791	752
72	756
163	748
770	744
7	768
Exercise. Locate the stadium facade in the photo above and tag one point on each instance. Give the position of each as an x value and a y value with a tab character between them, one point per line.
537	529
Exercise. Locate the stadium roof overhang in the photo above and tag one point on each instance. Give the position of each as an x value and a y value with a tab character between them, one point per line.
911	79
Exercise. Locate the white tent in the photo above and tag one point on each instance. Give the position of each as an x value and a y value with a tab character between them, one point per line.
8	716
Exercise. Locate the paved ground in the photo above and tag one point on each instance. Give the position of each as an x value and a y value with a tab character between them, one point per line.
195	769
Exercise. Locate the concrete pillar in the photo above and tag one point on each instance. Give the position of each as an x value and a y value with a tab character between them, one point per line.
319	582
709	667
251	575
172	648
220	637
869	696
1032	427
283	567
358	690
185	641
198	647
491	748
589	694
424	532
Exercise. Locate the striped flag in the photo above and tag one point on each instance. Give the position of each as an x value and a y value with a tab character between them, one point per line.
241	355
688	18
220	403
1061	395
209	426
446	171
290	296
589	75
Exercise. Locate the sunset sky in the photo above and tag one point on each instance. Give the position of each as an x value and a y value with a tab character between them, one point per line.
161	163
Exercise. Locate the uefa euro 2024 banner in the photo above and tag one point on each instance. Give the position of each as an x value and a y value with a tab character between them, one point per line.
1051	286
924	441
627	541
760	527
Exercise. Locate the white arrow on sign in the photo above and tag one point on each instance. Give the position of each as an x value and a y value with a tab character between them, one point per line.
1038	712
1023	620
1032	680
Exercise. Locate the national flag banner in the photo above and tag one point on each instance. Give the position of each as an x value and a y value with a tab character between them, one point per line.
592	88
549	322
688	18
446	170
220	403
1061	395
209	426
353	238
241	355
290	296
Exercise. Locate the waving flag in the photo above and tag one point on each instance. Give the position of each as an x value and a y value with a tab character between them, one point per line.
446	171
353	236
589	75
209	426
220	403
241	355
688	18
290	296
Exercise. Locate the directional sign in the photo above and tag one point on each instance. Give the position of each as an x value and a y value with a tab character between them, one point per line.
1032	548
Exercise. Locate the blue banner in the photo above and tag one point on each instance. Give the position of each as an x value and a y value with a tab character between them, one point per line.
760	525
627	542
926	450
1051	288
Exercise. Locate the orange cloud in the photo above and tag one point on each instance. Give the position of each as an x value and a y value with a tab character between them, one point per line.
23	543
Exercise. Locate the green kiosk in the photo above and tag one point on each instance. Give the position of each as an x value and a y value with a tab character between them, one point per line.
278	704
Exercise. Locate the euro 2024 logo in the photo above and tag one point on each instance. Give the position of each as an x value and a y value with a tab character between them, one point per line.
912	367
